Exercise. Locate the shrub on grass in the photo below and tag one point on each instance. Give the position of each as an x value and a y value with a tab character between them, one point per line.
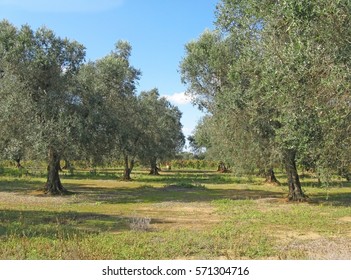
140	223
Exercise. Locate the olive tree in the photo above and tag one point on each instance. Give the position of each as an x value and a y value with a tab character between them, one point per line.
287	84
162	136
111	115
218	69
38	72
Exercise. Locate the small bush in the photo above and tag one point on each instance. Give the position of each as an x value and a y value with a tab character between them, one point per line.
140	223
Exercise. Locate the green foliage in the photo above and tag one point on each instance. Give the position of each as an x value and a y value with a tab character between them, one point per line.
282	90
108	105
38	111
205	67
53	104
160	128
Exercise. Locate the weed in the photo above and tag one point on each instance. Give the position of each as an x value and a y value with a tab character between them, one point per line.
140	223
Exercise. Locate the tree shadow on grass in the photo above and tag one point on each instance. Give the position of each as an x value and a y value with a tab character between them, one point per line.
335	184
83	175
190	189
62	225
187	192
342	199
20	185
30	183
175	193
199	177
164	178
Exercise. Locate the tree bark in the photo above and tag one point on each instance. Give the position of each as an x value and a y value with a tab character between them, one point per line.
127	168
222	168
18	163
67	165
153	167
270	177
295	190
345	173
53	184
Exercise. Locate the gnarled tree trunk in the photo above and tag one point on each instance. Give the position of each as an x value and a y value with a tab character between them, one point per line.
295	191
222	168
67	164
153	167
270	177
18	163
53	184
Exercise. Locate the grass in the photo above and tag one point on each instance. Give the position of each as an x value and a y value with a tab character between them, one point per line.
178	215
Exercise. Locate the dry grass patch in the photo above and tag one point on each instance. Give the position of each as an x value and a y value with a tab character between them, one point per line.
288	236
322	248
16	200
346	219
180	215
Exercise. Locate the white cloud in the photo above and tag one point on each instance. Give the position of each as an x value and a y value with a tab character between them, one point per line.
62	5
178	98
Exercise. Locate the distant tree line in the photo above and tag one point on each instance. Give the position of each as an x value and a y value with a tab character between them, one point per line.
56	106
274	78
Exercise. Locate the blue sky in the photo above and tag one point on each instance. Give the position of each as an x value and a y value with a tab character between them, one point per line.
156	29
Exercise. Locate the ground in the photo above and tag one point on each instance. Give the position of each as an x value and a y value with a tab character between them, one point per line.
178	215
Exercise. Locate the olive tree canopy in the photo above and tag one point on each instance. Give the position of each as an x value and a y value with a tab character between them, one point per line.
38	105
285	87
